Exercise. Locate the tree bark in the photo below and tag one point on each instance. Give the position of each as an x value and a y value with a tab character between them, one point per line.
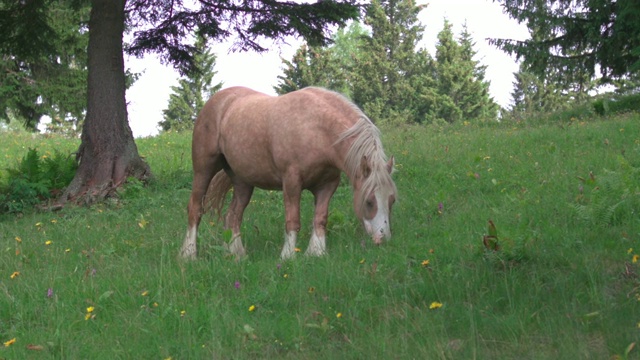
107	154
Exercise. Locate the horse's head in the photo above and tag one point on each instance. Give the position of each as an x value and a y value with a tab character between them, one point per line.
373	198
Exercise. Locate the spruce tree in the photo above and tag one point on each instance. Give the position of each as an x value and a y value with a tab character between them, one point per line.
192	92
533	96
310	66
462	92
330	67
383	81
33	85
580	39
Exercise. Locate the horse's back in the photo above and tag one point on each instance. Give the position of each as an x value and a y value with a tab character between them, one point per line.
263	137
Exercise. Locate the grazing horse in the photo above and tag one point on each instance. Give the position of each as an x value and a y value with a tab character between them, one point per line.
302	140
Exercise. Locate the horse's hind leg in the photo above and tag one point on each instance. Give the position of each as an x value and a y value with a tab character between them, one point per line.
241	196
204	168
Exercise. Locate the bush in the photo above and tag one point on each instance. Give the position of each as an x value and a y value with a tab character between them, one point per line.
35	179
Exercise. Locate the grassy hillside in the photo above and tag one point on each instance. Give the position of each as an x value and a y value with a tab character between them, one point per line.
104	282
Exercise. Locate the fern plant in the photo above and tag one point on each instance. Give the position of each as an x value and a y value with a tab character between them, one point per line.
34	180
612	198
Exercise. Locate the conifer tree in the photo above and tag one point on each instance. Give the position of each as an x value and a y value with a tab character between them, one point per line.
330	67
579	39
33	85
533	96
192	92
382	82
310	66
462	92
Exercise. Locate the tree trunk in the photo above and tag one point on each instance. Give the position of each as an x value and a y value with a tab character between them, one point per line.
108	154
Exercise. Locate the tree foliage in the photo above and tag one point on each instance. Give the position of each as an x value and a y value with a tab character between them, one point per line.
577	38
462	93
386	73
310	66
43	62
164	26
192	91
384	80
330	67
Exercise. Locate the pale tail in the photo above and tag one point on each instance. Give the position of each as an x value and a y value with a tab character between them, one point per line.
216	193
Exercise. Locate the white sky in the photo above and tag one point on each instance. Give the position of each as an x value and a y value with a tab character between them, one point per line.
150	94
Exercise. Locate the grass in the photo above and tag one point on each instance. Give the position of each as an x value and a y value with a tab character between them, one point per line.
562	285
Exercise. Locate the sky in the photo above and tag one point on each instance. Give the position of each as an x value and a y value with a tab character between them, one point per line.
149	95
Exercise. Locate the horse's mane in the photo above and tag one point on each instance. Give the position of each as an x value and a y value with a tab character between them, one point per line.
366	146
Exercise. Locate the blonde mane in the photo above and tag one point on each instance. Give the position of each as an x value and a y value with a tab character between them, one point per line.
366	146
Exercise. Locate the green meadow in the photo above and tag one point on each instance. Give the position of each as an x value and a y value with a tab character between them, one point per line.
556	279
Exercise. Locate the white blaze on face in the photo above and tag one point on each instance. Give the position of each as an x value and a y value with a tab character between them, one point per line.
377	225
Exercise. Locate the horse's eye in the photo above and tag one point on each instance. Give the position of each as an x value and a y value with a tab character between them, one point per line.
369	204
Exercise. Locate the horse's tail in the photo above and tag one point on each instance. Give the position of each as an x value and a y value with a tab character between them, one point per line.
216	193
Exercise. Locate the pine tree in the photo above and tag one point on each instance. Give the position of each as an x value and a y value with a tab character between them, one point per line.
310	66
533	96
462	92
192	91
542	93
330	67
578	37
34	85
384	82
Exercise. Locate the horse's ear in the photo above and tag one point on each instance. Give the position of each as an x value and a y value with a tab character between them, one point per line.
365	168
391	164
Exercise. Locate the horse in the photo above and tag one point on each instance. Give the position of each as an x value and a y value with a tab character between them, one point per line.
302	140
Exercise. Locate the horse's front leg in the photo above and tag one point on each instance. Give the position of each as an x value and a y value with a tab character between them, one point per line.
233	220
291	191
317	244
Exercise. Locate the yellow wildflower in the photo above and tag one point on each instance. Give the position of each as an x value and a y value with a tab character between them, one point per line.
18	239
90	309
252	308
48	242
15	274
425	263
339	315
630	251
297	249
635	258
9	342
145	293
435	305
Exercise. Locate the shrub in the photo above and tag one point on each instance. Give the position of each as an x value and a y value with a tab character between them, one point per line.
35	179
